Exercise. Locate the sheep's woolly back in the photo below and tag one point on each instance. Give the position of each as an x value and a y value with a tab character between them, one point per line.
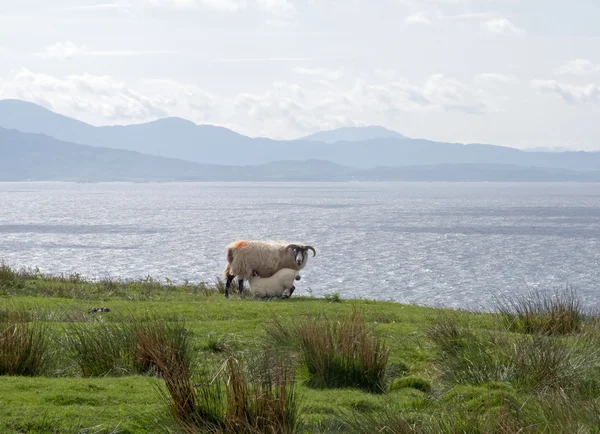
273	286
266	257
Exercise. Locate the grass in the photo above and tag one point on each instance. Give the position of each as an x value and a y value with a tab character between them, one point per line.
24	345
175	358
32	282
343	353
538	312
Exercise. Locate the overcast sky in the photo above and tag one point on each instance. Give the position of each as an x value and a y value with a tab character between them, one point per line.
519	73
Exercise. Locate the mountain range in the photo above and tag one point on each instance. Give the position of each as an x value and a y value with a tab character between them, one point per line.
36	143
37	157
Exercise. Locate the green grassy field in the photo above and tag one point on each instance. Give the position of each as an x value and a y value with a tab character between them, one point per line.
532	367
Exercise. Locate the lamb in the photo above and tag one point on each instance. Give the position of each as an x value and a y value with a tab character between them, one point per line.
244	257
280	284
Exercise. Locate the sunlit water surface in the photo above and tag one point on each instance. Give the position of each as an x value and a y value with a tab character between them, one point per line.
443	244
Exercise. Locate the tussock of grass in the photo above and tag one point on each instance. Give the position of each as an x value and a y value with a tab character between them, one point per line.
344	353
237	400
219	344
261	403
101	348
540	312
413	383
168	339
24	344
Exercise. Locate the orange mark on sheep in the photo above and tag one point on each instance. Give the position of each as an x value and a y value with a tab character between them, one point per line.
240	244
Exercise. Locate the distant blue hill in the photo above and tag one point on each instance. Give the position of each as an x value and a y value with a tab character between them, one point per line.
353	134
38	157
182	139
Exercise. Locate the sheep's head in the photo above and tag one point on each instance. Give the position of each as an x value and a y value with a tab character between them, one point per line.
300	253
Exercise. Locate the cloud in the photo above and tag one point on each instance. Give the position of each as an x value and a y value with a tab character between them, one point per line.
451	95
172	3
496	78
259	59
501	25
283	110
579	67
60	50
280	8
98	99
288	108
68	50
224	5
570	93
417	18
320	72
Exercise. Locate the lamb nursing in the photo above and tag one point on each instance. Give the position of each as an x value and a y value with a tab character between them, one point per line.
280	284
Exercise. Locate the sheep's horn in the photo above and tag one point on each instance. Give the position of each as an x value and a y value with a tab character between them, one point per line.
292	246
311	248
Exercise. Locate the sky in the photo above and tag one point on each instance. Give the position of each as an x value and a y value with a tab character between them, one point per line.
521	73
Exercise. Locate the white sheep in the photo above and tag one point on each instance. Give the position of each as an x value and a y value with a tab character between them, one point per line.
244	257
280	284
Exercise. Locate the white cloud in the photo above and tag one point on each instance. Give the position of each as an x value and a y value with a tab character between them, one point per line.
284	110
452	95
281	23
280	8
570	93
60	50
417	18
172	3
68	50
496	78
100	98
224	5
501	25
260	59
320	72
287	107
579	67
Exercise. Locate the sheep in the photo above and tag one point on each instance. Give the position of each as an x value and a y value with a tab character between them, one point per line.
280	284
244	257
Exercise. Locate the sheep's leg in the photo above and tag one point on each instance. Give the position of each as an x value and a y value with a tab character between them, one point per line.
241	284
292	290
228	284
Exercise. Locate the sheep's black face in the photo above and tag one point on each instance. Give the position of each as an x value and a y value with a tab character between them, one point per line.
299	257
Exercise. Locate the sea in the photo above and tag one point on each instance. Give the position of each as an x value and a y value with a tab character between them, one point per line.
459	245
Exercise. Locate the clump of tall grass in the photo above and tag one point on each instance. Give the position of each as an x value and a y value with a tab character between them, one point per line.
7	275
541	312
24	344
263	401
101	348
171	338
238	399
344	353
